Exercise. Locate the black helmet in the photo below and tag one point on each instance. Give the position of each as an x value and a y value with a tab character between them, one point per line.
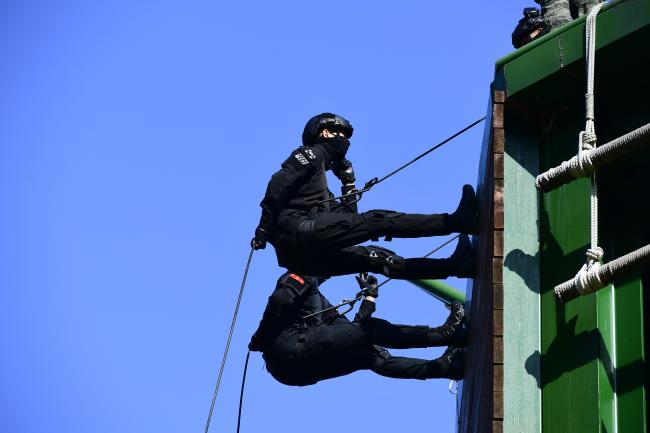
329	121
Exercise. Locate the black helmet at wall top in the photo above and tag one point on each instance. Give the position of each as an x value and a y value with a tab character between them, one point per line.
329	121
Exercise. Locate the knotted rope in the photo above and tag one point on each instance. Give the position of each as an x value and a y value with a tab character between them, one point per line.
586	280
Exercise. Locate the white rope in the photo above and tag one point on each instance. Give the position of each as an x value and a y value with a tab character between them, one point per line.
592	276
587	141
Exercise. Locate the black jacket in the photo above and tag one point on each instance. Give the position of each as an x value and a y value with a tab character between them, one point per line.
295	297
299	185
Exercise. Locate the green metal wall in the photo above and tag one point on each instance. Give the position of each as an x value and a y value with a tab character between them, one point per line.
570	336
521	278
590	367
593	356
624	219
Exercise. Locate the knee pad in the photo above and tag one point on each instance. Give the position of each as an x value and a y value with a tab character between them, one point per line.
384	261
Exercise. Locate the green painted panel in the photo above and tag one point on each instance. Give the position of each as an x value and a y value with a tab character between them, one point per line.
593	354
621	372
606	369
570	337
590	366
522	403
623	228
629	361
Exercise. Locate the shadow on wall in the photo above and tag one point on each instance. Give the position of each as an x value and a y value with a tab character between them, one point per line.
603	429
522	263
624	379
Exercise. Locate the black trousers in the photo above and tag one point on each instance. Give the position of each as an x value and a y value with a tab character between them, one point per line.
325	244
327	351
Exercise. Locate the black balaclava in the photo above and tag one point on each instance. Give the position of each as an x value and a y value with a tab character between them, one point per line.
336	147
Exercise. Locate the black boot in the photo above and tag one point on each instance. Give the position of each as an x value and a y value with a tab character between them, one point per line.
452	332
465	218
460	264
454	358
450	365
462	261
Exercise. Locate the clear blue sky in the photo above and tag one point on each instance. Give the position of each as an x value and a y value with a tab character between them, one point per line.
136	140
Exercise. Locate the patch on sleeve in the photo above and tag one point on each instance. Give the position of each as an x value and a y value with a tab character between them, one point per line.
301	158
297	278
310	153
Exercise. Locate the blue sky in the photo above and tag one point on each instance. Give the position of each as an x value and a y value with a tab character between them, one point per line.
136	140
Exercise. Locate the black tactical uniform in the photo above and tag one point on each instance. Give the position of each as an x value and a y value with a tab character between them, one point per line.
320	238
554	14
303	352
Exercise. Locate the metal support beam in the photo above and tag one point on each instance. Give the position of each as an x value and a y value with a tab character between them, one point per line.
440	290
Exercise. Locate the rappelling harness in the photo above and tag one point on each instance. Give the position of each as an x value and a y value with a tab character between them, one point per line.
350	198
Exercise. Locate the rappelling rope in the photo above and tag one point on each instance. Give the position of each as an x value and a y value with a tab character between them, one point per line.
225	353
241	393
587	141
374	181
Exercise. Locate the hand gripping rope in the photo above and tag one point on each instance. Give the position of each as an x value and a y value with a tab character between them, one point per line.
374	181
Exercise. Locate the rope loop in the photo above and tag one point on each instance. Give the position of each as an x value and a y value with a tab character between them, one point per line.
588	140
587	279
582	165
594	255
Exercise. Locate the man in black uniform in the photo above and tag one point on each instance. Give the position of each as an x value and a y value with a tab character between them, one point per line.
318	237
302	352
529	28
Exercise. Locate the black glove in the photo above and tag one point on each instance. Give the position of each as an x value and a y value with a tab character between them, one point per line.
259	241
369	286
255	345
344	171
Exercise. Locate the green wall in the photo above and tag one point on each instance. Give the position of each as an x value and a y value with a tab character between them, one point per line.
578	367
